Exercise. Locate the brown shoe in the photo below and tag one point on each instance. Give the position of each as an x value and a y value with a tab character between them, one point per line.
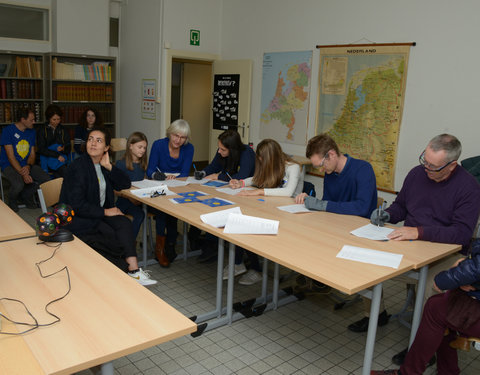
461	343
160	251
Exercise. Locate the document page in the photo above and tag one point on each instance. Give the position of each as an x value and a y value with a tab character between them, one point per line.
380	258
372	232
192	180
147	183
155	190
294	208
244	224
231	191
218	219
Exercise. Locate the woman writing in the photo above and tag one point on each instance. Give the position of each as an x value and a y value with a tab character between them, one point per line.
88	187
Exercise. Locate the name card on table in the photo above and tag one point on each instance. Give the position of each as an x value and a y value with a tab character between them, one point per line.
380	258
244	224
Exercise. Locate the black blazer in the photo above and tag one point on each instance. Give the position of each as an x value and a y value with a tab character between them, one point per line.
80	190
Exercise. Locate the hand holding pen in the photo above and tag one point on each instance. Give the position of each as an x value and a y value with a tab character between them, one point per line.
379	216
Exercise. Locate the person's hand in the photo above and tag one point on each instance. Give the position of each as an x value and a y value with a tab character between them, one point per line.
159	176
458	261
436	288
171	177
114	211
255	192
467	288
24	171
404	233
213	176
61	159
27	179
379	217
235	184
199	175
300	198
105	161
60	148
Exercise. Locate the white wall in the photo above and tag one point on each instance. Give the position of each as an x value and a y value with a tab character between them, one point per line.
443	74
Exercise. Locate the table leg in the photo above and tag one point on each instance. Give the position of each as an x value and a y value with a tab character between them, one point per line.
417	312
107	368
372	329
221	255
231	280
144	236
263	297
185	238
276	282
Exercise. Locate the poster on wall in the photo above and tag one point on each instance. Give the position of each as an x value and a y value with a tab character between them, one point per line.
225	101
149	90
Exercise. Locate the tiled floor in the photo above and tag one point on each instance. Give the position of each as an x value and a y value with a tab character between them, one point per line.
304	337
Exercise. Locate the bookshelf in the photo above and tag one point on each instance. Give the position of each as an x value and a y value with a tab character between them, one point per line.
22	84
76	82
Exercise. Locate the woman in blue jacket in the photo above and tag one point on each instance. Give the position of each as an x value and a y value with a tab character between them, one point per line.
458	310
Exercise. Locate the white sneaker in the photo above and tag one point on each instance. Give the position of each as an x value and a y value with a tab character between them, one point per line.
250	278
143	277
239	269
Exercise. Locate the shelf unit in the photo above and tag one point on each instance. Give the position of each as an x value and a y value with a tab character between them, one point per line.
22	84
76	82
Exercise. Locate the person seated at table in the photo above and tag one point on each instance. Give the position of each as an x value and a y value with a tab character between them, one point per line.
88	187
232	160
53	143
134	164
89	118
349	188
170	155
276	174
438	202
457	310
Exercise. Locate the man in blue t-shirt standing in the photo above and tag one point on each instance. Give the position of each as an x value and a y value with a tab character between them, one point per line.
17	160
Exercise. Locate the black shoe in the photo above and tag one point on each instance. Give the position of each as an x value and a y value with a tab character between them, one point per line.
399	358
312	287
207	256
13	205
170	252
362	324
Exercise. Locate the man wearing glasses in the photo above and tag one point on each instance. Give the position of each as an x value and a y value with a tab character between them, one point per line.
440	202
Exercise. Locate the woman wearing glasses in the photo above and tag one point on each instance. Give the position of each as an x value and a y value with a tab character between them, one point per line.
170	157
88	187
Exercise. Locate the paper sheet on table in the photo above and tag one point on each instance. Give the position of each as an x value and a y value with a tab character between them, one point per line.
372	232
380	258
244	224
147	183
175	183
231	191
192	180
218	219
147	192
294	208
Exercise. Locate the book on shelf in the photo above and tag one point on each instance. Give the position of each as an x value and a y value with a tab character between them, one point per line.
8	110
26	67
97	71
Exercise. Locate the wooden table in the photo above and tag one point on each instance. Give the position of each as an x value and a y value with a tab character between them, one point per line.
13	226
308	243
107	314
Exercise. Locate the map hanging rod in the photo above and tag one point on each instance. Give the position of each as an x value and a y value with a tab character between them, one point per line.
413	44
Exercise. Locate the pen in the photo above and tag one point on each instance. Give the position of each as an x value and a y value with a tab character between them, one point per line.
230	177
378	216
194	167
158	170
311	192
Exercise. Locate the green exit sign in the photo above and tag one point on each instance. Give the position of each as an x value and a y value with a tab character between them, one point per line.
194	37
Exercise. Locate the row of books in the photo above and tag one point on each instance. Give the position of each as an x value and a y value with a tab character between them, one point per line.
97	71
72	113
24	67
8	110
75	92
13	89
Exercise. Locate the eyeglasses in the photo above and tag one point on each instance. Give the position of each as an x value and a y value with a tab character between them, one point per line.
178	136
323	160
429	167
157	194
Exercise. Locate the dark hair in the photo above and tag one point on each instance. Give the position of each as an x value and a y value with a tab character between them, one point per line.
320	145
135	138
98	118
106	134
53	110
232	141
23	113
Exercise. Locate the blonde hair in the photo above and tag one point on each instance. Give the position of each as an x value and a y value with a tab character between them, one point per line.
132	139
179	126
269	164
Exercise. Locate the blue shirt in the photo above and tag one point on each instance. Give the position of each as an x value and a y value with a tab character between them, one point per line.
21	141
244	169
353	191
138	174
160	158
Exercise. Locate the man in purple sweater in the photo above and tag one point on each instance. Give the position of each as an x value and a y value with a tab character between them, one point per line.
439	201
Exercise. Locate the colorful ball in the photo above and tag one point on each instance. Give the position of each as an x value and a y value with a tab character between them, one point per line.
47	224
64	212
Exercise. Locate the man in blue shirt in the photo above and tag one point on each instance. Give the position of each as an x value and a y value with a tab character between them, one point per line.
17	160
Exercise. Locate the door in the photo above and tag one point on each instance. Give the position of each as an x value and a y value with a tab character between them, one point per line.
244	69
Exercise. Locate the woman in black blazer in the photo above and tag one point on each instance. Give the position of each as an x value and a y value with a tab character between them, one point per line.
88	187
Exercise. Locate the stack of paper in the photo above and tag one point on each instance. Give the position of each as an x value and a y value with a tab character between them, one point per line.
218	219
244	224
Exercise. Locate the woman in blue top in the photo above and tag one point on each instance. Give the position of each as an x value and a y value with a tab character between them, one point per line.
172	154
134	164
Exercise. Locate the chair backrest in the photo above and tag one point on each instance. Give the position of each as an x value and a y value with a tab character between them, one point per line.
118	144
49	193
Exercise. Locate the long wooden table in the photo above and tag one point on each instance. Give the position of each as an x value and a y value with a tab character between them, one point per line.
107	314
308	243
13	226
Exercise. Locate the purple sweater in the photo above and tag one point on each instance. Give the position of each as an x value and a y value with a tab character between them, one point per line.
445	211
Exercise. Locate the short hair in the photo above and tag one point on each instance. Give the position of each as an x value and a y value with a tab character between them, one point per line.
23	113
179	126
448	143
53	110
320	145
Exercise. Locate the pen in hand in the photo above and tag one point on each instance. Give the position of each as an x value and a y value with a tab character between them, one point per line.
230	177
195	168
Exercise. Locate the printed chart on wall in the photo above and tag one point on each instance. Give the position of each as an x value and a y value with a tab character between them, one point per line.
225	101
285	96
360	103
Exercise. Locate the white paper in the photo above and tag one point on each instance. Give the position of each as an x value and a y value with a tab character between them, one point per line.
192	180
244	224
231	191
294	208
147	183
172	174
218	219
372	232
147	192
175	183
380	258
